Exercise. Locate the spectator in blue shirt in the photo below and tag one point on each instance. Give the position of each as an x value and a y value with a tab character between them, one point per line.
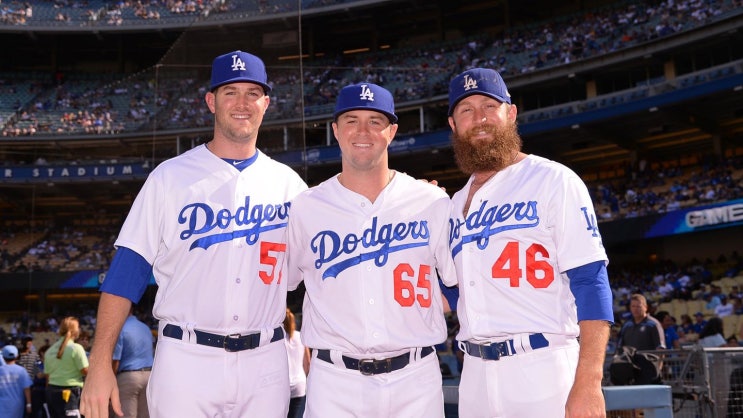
15	386
669	329
699	322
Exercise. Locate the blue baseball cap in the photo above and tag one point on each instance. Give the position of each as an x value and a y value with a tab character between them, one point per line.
477	81
365	96
238	66
10	352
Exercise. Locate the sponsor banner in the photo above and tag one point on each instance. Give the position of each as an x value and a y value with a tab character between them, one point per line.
699	218
693	219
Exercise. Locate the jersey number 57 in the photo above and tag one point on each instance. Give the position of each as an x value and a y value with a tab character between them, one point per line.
268	249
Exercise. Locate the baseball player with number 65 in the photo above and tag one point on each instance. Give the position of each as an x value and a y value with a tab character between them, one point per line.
209	224
535	303
368	244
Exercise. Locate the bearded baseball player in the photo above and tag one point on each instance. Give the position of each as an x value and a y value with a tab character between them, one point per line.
209	224
368	244
535	303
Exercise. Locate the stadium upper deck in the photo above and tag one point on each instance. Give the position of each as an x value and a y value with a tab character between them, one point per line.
671	72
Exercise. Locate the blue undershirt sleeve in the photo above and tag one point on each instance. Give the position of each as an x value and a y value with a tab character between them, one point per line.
451	294
128	275
590	286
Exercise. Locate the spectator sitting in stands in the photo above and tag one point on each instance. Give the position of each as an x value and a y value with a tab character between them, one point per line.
711	335
725	308
699	323
712	299
666	290
687	325
735	292
669	329
732	341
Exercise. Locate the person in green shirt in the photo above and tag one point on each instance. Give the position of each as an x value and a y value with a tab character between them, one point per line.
65	364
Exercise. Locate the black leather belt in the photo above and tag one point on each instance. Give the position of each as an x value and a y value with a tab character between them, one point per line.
143	369
232	342
495	351
371	367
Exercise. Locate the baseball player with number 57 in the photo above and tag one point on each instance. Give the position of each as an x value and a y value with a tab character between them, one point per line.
535	303
209	224
368	244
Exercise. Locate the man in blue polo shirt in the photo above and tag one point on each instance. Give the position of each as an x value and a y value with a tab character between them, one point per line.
133	357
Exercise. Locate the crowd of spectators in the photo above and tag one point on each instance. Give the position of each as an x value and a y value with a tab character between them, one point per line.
659	282
646	190
411	72
103	12
132	12
55	249
90	107
666	280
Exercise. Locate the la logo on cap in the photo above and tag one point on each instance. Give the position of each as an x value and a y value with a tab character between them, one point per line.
366	93
469	83
237	63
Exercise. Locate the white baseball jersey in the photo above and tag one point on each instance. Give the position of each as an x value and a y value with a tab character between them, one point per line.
370	268
213	234
525	228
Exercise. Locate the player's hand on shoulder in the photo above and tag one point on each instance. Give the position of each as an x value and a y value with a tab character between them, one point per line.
433	182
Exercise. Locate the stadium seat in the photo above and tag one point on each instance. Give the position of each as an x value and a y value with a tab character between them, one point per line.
730	325
693	306
679	308
666	306
727	284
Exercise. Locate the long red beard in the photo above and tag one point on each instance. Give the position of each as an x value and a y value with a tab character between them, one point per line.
494	154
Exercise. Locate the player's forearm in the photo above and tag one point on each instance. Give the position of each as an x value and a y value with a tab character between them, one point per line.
112	312
594	336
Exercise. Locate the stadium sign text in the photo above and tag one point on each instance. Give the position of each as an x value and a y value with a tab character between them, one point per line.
715	216
75	172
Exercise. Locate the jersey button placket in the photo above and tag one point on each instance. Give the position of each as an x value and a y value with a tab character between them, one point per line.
237	283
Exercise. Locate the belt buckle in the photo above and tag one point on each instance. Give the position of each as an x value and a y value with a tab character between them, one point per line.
228	338
502	349
366	366
486	352
492	351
